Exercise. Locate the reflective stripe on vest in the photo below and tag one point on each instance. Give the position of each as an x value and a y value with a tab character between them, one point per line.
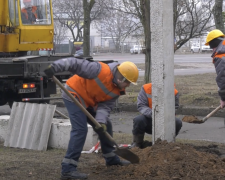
69	161
94	91
104	89
76	94
149	95
148	91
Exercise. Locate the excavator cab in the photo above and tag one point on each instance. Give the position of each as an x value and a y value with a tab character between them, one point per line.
25	25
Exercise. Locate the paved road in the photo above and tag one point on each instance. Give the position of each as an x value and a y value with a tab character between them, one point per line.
140	58
183	72
212	130
178	59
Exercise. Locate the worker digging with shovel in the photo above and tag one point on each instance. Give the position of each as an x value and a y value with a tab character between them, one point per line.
96	86
215	39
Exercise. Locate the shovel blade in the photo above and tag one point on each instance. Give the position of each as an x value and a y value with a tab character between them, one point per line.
127	154
192	119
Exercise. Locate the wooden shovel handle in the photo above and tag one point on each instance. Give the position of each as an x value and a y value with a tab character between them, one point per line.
213	112
83	109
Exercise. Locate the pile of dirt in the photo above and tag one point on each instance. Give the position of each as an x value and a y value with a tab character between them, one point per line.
192	119
172	161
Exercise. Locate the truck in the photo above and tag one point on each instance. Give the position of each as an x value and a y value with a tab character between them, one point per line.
195	48
22	77
136	49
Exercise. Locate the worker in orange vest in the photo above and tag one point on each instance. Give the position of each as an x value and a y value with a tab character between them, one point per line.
215	39
30	13
94	84
143	123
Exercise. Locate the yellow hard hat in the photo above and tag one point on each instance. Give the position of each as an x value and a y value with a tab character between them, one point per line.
130	71
213	34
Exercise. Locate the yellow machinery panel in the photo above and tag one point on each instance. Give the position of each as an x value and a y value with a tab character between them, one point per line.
34	39
9	42
26	25
3	12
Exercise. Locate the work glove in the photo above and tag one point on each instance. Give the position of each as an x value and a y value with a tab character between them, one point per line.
49	71
102	129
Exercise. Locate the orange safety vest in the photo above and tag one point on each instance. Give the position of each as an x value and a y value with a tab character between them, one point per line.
92	91
34	9
219	55
148	91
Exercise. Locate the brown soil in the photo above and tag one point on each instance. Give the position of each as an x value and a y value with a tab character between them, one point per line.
192	119
162	161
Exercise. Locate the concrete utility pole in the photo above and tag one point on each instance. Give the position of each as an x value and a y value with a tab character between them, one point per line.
162	70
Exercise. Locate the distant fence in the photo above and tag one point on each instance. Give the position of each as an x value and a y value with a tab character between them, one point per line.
124	48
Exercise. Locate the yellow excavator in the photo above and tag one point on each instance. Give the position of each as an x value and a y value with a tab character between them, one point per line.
25	25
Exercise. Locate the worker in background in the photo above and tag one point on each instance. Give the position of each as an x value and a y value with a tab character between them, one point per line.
215	39
143	123
95	85
30	13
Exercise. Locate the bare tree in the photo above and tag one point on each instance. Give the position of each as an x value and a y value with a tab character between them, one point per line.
115	24
191	19
59	34
138	11
69	14
76	15
87	6
218	15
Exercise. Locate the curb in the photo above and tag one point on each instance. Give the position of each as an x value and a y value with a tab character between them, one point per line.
183	110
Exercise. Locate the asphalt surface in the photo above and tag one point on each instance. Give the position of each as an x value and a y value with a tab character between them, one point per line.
140	58
178	59
212	130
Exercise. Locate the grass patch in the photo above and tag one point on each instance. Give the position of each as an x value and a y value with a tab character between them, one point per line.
194	90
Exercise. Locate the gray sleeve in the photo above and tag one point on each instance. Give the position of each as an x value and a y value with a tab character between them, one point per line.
104	109
177	101
81	67
220	79
142	104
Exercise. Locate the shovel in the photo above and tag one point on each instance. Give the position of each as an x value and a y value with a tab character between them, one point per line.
195	120
122	152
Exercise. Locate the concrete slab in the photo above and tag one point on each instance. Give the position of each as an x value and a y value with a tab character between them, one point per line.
59	133
29	125
212	130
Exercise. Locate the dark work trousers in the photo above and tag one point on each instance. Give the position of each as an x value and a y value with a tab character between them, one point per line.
78	136
143	124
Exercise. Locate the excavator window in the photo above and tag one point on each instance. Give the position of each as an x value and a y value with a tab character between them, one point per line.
13	13
35	12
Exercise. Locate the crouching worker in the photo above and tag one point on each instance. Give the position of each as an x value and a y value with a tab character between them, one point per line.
94	84
143	123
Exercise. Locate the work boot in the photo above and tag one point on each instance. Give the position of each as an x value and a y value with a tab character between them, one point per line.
146	144
73	175
115	160
138	141
120	163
